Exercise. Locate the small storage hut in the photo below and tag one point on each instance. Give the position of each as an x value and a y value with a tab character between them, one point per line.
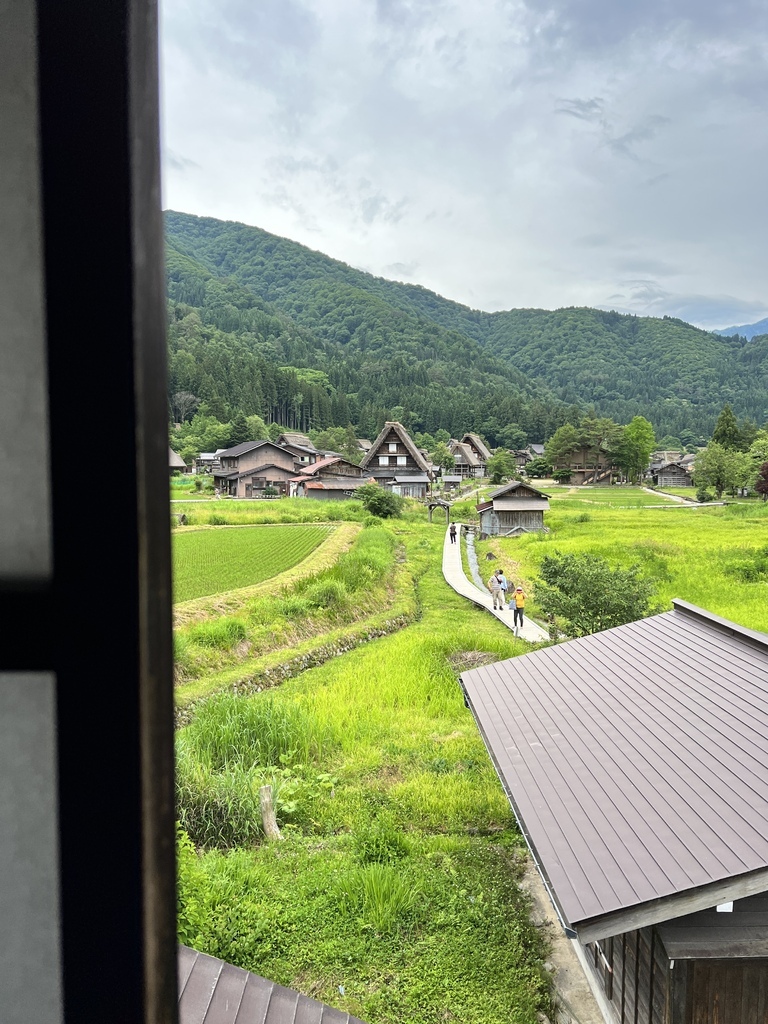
513	509
636	762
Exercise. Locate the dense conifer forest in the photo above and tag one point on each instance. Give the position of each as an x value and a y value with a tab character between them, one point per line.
262	326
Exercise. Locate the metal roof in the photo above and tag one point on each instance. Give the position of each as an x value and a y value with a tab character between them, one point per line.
636	760
214	992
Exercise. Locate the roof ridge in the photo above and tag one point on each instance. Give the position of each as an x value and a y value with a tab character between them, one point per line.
752	636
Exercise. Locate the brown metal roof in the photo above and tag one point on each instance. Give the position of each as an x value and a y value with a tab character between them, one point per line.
637	763
214	992
513	504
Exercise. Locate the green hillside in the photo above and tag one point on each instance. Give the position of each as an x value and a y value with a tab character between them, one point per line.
389	346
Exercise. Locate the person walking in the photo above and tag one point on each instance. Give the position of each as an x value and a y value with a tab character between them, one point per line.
452	532
519	602
504	586
494	585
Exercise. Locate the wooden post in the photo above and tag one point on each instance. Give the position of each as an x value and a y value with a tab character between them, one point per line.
271	831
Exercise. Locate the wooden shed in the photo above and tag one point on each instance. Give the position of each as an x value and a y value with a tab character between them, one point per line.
636	762
513	509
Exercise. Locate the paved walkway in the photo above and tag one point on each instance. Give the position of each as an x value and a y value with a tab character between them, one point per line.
454	576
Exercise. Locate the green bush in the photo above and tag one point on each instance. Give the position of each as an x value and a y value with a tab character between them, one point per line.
702	494
380	895
380	502
327	593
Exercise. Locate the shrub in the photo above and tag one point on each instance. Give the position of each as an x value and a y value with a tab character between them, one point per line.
702	494
589	596
380	502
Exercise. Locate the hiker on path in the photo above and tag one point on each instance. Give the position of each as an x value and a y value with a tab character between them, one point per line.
519	602
494	585
504	586
452	532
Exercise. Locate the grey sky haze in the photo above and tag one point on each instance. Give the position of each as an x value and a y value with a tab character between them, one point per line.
503	153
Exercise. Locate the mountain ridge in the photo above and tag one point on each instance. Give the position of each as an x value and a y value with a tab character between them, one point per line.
677	375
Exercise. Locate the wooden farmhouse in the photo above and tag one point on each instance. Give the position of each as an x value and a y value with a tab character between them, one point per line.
395	462
513	509
332	478
671	474
295	439
636	763
248	469
175	462
212	991
468	462
588	467
478	446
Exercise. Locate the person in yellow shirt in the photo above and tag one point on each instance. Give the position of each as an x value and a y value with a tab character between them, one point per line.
518	597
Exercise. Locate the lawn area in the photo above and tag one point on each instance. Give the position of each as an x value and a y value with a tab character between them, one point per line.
394	895
217	560
716	558
233	512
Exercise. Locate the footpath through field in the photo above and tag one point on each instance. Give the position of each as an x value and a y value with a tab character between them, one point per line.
454	577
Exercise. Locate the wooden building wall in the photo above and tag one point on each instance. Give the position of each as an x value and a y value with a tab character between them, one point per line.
634	972
494	523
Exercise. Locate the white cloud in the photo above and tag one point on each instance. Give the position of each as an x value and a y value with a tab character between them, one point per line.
513	154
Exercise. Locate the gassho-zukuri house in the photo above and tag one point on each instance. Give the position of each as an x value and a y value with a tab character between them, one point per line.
395	462
513	509
636	762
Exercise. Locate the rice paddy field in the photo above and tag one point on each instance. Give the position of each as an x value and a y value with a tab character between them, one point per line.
714	557
216	560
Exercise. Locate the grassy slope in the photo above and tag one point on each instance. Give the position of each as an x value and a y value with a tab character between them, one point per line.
394	895
713	557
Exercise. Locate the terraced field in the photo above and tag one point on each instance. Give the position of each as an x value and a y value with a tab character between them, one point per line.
212	561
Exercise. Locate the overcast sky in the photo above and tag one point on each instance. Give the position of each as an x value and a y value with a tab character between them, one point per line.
606	153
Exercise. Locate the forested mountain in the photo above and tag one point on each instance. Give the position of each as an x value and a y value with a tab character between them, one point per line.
747	331
259	303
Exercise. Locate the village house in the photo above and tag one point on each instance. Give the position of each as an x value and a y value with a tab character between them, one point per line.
208	462
586	466
478	446
513	509
523	456
468	462
671	474
248	469
175	462
295	439
636	763
396	463
331	478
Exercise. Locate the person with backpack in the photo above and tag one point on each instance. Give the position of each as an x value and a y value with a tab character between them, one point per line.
494	585
452	532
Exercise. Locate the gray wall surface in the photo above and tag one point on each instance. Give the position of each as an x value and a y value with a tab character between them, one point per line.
25	546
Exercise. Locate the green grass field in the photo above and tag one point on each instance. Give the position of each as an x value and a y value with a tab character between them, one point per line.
716	558
394	895
217	560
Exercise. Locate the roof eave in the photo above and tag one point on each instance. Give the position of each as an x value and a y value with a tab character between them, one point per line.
669	907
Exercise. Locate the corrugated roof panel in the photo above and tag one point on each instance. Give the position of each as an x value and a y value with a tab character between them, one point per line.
637	758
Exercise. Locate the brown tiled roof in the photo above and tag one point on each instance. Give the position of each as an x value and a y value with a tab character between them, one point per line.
214	992
636	760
